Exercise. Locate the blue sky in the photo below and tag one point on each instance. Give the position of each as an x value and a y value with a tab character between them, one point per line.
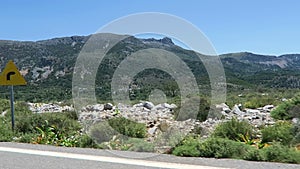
258	26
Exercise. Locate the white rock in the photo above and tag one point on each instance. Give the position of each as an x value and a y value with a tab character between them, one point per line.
268	107
148	105
152	130
236	110
223	107
295	120
159	107
3	113
108	106
252	111
169	106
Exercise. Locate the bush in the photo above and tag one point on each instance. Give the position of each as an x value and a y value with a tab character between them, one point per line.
26	138
6	133
127	127
188	148
86	141
28	123
139	145
102	132
296	133
258	101
233	130
280	132
287	110
4	105
254	155
71	115
62	121
223	148
280	153
212	147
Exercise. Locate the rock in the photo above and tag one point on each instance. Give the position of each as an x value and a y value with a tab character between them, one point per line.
97	107
138	105
252	111
236	110
152	130
169	106
148	105
255	117
67	108
295	120
163	149
163	126
159	107
108	106
268	107
4	113
223	107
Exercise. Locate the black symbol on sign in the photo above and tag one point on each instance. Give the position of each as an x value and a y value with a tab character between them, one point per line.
9	74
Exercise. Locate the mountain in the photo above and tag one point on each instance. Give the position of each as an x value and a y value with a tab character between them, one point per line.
48	67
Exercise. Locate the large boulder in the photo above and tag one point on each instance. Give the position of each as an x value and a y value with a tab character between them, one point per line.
108	106
236	110
223	107
148	105
268	107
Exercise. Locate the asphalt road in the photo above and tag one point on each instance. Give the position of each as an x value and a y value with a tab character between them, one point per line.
28	156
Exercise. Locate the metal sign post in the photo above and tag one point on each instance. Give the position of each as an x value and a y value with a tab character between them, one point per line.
12	107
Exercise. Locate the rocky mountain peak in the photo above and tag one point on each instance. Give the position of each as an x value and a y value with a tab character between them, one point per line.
164	41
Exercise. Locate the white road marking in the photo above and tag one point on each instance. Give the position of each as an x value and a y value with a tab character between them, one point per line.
145	163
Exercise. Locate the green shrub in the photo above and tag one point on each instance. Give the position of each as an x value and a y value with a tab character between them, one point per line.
48	128
280	153
62	121
28	123
296	133
6	133
258	101
51	134
233	130
254	155
102	132
127	127
189	147
139	145
212	147
71	115
281	131
287	110
85	141
223	148
27	138
4	105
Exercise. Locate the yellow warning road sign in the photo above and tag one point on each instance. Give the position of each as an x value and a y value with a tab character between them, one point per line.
10	76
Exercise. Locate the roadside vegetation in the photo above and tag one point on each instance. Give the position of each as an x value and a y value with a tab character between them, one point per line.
231	139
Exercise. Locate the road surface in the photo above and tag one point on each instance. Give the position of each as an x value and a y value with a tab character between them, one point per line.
28	156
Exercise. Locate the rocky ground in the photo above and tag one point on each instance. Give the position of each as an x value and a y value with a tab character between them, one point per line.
160	118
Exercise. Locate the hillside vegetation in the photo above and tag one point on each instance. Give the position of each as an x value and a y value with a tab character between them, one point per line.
48	67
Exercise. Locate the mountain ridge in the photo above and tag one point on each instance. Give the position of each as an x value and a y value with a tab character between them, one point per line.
48	66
